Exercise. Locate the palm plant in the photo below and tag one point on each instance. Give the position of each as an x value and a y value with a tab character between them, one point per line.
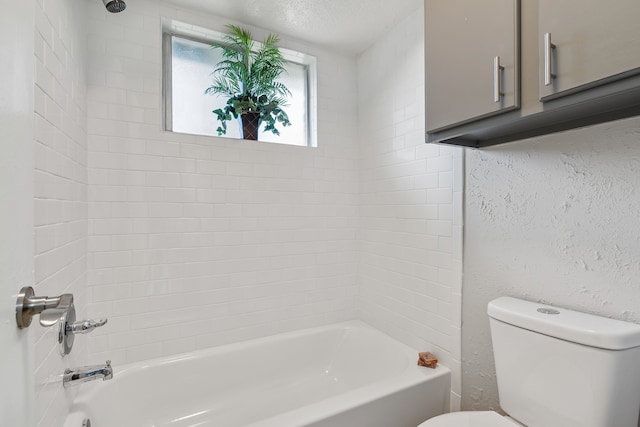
250	80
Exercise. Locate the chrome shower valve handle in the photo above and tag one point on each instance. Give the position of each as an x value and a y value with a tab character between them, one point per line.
69	328
85	326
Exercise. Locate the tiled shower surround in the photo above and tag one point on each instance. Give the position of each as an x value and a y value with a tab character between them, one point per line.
410	205
201	241
198	241
60	189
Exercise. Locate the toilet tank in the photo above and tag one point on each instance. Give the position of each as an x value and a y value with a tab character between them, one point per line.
562	368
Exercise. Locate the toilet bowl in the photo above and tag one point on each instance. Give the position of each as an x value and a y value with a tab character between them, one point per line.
558	368
471	419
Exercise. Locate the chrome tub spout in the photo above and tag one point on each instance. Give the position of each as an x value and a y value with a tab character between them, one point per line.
87	373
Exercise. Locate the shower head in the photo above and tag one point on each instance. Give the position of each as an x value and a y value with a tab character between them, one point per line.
114	6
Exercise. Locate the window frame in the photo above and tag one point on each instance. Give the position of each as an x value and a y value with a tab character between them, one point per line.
172	28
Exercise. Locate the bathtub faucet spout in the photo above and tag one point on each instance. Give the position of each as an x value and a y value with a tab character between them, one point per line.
87	373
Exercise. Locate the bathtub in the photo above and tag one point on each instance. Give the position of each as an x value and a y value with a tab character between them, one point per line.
343	375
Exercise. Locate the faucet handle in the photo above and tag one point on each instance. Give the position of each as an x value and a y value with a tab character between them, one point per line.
85	326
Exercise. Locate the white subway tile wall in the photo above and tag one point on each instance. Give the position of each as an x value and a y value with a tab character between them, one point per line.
60	177
411	205
199	241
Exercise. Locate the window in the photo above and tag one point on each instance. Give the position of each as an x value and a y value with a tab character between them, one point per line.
189	61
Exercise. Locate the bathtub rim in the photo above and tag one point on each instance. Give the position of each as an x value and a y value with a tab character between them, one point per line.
410	377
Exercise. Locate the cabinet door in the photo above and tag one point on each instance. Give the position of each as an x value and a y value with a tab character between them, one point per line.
588	43
472	60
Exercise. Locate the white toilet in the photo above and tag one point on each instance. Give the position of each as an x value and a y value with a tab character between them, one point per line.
558	368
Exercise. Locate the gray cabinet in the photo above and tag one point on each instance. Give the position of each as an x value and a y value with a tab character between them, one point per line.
586	43
472	63
575	63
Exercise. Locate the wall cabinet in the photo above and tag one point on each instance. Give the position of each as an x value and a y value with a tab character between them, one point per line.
483	81
586	43
561	65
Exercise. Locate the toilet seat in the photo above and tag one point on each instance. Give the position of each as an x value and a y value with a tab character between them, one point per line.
470	419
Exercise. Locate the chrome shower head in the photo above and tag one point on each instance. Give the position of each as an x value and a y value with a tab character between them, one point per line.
114	6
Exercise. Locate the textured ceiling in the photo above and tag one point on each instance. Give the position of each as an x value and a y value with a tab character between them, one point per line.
346	25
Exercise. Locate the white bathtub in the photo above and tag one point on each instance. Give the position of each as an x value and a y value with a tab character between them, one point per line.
343	375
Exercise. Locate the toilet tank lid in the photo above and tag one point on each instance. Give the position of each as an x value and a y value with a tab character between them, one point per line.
569	325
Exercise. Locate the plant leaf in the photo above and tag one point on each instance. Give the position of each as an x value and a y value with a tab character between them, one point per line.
249	79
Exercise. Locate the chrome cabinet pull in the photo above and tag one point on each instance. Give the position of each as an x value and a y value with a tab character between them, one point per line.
548	49
497	79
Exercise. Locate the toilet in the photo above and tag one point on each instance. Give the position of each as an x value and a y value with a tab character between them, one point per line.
558	368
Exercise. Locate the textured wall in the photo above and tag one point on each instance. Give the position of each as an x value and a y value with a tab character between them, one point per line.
60	181
411	204
201	241
553	219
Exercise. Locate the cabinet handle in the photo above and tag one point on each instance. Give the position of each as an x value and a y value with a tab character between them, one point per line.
497	79
548	49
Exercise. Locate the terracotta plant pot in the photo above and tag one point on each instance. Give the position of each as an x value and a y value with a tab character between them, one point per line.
250	125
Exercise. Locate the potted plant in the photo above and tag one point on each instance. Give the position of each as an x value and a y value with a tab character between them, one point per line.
249	78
